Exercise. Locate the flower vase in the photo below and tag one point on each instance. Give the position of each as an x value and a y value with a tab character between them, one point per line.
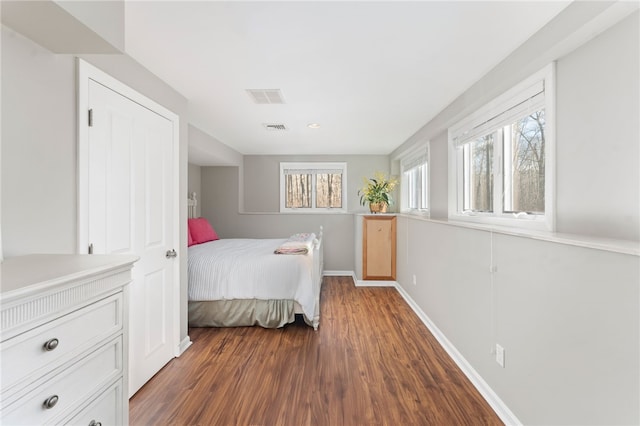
378	207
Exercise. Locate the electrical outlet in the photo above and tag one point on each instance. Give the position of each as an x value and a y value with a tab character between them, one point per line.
414	279
500	355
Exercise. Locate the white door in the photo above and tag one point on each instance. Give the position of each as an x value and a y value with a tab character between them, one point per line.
130	184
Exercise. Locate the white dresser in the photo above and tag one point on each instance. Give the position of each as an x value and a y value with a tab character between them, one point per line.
64	339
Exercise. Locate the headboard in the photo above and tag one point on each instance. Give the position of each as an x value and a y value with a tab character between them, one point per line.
193	204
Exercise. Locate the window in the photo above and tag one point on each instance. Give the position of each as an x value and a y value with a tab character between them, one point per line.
306	187
477	169
501	159
415	181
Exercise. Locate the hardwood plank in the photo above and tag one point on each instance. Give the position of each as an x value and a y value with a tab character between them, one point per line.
371	362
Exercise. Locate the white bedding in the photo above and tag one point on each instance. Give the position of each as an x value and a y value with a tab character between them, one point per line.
230	269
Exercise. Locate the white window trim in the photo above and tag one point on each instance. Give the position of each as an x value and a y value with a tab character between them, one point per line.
408	157
312	166
544	222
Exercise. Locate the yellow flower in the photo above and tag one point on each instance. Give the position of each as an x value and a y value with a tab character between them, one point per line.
377	189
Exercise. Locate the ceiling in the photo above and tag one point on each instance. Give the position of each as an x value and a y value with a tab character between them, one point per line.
369	73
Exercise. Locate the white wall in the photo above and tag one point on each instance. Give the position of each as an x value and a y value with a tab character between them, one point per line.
69	26
39	184
567	316
39	149
106	18
205	150
598	136
194	183
439	176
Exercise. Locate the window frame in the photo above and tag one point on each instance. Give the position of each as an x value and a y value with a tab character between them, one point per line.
312	168
414	159
491	118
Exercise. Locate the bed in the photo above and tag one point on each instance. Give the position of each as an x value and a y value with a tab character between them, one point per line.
243	282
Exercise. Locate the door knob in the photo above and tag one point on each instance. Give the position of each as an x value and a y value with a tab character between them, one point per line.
171	254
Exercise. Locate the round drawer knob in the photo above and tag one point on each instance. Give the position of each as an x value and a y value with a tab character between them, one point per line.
51	344
50	402
94	423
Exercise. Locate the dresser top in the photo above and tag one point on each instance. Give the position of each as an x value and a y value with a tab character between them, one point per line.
24	274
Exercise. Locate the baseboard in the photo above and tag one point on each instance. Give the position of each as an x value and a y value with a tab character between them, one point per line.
501	409
337	273
360	283
184	345
374	283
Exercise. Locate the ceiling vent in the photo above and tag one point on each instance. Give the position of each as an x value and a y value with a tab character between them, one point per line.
274	126
266	96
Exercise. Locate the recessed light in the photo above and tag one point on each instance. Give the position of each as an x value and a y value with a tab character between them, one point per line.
313	125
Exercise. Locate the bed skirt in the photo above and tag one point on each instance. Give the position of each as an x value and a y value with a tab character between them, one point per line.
241	313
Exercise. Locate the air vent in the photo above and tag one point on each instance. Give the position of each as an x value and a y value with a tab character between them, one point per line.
274	126
266	96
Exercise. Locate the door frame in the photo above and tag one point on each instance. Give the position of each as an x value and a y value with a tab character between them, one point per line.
87	72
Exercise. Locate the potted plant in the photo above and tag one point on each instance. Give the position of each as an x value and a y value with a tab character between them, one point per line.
377	192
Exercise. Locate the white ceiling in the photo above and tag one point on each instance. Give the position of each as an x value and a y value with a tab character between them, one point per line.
370	73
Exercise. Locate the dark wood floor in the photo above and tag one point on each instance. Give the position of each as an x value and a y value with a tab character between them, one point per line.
372	362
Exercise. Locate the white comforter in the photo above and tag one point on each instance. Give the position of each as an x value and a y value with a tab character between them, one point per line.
248	269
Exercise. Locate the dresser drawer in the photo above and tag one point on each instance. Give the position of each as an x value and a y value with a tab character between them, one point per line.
71	387
27	354
105	409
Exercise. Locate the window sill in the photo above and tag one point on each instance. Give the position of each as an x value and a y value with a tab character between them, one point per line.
417	213
332	211
597	243
525	223
313	211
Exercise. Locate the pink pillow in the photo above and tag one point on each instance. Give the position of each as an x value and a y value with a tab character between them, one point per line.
190	242
201	231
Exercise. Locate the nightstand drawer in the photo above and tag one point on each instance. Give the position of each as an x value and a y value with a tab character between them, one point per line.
57	397
42	349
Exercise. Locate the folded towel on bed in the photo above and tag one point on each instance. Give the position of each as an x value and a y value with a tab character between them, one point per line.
297	244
